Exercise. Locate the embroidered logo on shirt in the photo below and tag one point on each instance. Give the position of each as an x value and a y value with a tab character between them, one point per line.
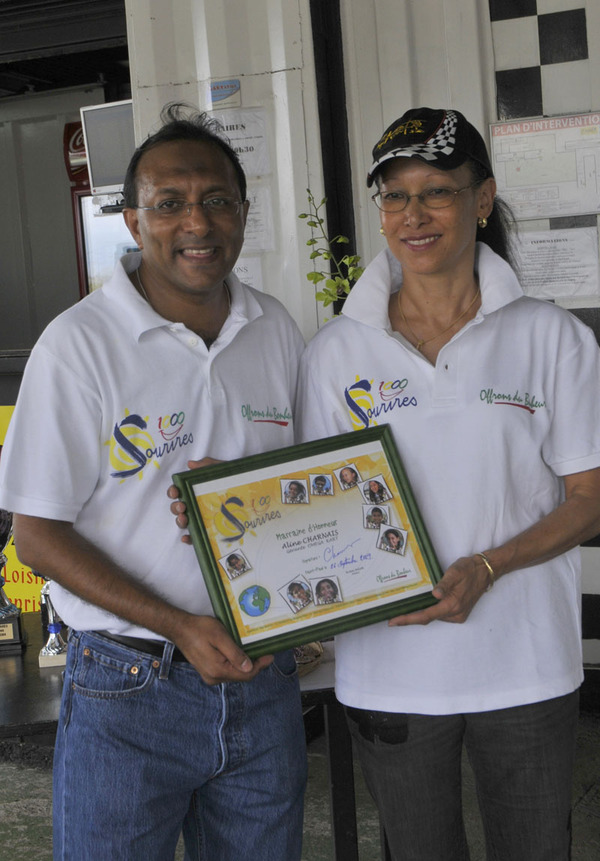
170	426
527	401
367	401
132	445
267	415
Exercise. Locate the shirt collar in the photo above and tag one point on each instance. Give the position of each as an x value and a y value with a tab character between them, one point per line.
369	298
143	318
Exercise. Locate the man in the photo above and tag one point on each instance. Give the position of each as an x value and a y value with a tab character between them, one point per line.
320	486
375	518
165	723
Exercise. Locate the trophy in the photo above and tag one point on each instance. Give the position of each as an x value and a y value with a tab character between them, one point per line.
12	637
54	653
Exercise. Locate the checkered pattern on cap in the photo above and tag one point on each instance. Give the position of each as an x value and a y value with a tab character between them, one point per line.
441	141
441	137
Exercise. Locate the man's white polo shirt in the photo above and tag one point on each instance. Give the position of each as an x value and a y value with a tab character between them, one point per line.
115	399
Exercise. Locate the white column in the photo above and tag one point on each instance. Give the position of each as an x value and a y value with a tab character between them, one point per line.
177	47
401	54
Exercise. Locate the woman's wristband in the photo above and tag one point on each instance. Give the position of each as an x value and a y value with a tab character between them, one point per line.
490	570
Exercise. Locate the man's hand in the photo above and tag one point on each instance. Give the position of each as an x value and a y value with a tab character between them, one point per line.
461	587
207	645
178	508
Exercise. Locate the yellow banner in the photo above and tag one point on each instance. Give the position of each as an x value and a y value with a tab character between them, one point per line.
22	586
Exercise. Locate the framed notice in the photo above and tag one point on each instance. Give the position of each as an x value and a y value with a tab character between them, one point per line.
308	541
548	166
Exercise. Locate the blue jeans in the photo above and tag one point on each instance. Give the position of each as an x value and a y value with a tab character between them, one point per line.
145	749
522	759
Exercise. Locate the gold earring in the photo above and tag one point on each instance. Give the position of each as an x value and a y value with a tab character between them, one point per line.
382	231
482	222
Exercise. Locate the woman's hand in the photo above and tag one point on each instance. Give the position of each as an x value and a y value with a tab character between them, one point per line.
178	508
461	587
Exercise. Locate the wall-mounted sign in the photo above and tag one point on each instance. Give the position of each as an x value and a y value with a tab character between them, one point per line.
249	271
226	93
560	265
549	166
259	235
247	131
22	586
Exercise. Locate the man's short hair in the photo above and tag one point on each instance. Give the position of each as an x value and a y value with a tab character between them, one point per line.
181	122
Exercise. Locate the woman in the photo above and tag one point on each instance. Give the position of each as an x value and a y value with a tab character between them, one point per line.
497	421
392	540
375	491
326	591
294	493
348	477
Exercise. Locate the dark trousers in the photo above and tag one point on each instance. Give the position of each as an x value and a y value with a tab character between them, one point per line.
522	759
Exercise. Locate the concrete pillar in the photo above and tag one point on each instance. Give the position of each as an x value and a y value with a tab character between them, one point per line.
177	47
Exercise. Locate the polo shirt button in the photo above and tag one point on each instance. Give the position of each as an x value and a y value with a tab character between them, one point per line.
193	342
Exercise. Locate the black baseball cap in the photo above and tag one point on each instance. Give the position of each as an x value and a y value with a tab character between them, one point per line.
442	138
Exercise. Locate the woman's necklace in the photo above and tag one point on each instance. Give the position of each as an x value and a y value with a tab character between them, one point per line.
422	341
145	295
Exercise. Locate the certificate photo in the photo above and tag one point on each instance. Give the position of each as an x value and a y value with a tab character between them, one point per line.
295	545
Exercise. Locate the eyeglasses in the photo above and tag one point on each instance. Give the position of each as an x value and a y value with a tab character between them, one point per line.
212	206
433	198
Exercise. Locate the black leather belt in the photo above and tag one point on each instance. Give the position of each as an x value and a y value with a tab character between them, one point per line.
148	647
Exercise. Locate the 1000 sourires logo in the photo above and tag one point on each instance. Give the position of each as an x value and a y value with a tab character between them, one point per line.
133	447
367	401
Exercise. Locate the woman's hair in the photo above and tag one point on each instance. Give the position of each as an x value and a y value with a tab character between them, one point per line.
296	585
394	532
331	583
501	221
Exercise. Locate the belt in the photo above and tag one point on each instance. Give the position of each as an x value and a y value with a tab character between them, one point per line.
155	648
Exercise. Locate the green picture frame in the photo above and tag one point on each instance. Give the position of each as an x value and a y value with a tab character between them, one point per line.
309	541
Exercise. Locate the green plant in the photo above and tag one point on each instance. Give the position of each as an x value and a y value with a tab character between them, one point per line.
343	271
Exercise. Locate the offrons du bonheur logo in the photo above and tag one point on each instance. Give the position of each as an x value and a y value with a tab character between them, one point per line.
525	401
269	415
132	446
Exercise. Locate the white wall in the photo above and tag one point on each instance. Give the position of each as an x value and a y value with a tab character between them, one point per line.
401	54
177	46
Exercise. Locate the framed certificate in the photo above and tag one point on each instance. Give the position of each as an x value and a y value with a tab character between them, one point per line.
308	541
